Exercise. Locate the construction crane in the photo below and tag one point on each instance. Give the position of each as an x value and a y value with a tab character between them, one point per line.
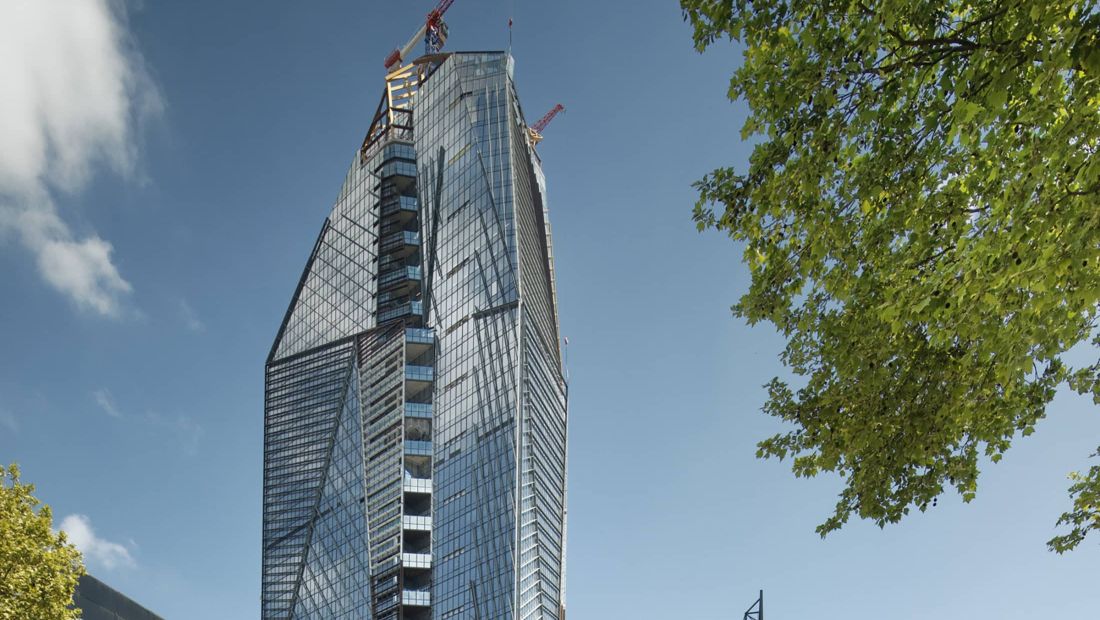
535	131
434	33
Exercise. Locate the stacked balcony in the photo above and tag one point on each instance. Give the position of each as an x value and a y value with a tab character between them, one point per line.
399	275
407	594
416	520
404	207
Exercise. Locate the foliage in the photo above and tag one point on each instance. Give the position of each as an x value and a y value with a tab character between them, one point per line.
1085	516
920	217
38	568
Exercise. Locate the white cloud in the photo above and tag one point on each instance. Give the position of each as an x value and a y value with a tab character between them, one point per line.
74	91
185	429
190	318
106	402
109	555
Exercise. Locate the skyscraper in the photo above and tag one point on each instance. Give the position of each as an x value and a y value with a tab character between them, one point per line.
415	405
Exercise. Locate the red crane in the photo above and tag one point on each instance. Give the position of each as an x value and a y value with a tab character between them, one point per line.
535	131
434	33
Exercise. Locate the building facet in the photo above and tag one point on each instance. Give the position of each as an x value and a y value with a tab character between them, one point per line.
415	405
99	601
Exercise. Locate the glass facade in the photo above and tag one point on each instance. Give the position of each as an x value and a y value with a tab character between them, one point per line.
415	406
99	601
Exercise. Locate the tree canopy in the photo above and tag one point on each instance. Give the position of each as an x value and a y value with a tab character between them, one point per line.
38	568
921	219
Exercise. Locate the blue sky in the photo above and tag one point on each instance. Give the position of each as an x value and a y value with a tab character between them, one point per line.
131	380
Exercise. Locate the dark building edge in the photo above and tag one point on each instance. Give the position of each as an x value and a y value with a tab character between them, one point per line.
99	601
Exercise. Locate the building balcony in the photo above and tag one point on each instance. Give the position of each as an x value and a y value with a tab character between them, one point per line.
418	448
415	373
416	523
388	263
397	168
403	276
412	308
416	598
406	206
398	150
416	485
418	410
418	341
416	560
401	242
419	335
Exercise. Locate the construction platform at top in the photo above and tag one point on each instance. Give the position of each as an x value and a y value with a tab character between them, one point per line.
394	114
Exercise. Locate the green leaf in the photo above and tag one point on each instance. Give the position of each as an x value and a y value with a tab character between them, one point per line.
995	98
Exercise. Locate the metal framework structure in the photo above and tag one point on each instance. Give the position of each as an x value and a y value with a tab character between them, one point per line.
756	611
393	117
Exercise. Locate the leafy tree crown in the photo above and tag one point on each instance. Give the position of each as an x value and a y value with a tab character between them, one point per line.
920	218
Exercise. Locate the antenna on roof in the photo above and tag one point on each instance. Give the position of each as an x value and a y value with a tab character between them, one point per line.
511	14
756	612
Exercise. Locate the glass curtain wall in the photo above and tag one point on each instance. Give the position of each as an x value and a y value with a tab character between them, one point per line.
500	412
415	407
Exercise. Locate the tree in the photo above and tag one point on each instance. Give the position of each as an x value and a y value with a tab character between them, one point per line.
921	219
38	568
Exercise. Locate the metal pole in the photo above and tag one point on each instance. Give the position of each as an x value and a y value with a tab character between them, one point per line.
756	610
